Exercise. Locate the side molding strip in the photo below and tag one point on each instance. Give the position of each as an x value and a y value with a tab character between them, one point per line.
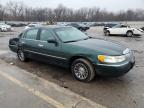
46	55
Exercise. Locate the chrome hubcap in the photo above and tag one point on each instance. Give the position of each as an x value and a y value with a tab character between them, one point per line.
129	34
81	71
21	55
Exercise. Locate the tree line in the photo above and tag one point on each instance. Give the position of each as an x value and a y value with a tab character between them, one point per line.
18	11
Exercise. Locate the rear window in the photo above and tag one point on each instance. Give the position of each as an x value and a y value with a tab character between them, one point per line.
31	34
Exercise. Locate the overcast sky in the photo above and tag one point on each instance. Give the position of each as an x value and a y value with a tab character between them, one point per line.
110	5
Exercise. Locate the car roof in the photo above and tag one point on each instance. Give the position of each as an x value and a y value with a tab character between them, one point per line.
54	26
51	27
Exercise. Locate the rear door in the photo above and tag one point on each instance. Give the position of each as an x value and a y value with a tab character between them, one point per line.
124	29
120	30
29	42
115	30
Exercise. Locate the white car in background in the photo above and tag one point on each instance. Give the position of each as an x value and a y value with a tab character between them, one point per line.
4	27
125	30
32	25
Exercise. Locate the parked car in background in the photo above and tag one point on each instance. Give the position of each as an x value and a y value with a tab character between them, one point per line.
32	25
4	27
107	26
124	30
16	24
71	48
142	28
79	26
97	24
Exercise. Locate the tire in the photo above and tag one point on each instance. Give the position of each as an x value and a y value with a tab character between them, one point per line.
0	30
82	70
129	34
21	56
107	33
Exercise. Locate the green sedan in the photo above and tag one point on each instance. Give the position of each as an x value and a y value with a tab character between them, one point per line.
71	48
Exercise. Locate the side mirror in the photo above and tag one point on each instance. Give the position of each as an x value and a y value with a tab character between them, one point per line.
52	41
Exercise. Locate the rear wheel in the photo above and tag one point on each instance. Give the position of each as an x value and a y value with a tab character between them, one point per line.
104	31
129	34
107	33
21	55
82	70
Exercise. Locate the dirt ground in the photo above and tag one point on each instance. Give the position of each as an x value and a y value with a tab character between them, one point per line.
123	92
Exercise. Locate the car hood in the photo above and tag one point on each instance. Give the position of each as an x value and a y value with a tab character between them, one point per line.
140	30
5	26
101	46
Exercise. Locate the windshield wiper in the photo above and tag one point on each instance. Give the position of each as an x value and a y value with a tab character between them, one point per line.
76	40
86	38
71	41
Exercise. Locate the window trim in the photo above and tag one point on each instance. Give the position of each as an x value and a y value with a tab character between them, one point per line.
24	34
39	36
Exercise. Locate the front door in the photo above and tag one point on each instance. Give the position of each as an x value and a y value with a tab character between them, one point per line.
50	52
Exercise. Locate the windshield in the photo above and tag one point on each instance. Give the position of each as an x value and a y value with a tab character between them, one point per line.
70	34
31	25
110	25
120	26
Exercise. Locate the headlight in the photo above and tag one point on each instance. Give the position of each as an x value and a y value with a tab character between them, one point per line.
111	59
126	51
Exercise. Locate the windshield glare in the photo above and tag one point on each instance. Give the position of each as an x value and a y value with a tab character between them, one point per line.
70	34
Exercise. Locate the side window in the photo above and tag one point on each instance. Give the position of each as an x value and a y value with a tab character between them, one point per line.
31	34
45	35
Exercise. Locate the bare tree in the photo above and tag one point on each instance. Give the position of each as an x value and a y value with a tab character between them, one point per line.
2	12
20	12
15	10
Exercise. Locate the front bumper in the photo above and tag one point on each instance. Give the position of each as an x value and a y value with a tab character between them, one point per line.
9	29
114	70
138	33
3	29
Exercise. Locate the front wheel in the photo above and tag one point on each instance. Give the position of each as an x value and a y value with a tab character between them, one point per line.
82	70
129	34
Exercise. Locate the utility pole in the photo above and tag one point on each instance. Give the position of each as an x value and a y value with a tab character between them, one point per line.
126	18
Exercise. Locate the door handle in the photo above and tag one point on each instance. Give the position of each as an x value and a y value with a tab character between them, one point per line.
40	45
